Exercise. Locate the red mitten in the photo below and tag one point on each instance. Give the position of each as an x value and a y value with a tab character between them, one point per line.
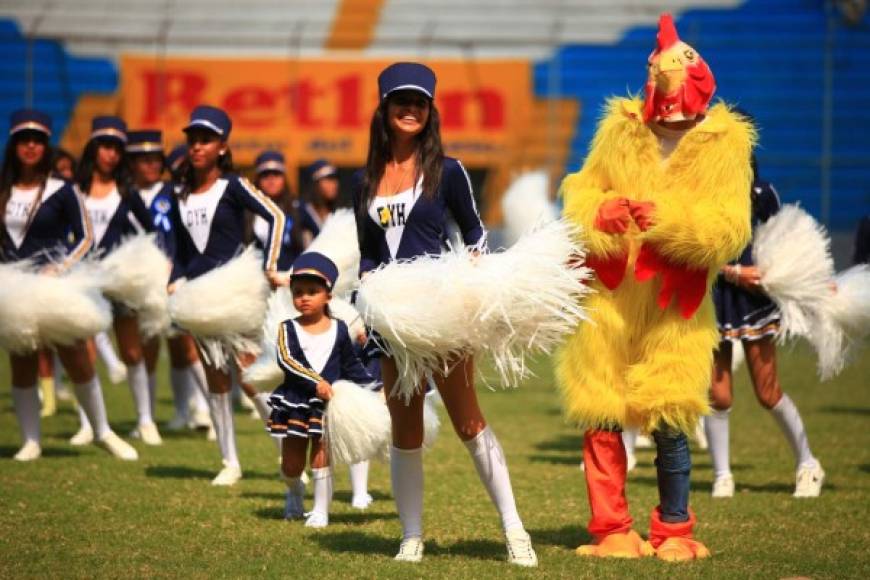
613	216
642	213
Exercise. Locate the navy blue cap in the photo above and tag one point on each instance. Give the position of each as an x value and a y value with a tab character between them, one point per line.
270	161
176	157
211	118
317	265
109	127
29	120
145	141
407	76
321	169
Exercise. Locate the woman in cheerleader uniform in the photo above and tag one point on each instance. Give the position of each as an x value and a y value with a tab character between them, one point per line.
209	221
271	179
38	211
187	376
115	212
322	197
746	315
404	201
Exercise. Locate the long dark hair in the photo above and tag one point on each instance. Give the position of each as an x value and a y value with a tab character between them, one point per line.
188	174
11	173
84	174
429	156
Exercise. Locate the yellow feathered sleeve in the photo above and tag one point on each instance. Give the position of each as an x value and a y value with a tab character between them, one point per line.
706	221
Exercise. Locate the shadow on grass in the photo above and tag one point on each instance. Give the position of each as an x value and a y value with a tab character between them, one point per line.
565	537
573	459
864	467
838	410
370	544
346	496
9	451
568	443
186	472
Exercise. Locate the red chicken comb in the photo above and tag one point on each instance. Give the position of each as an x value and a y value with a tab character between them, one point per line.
667	35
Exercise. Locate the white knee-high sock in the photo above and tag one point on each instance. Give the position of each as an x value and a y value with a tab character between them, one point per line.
322	477
179	379
359	479
716	427
152	393
106	350
197	386
406	474
222	416
492	468
83	418
26	402
90	398
629	439
137	377
789	420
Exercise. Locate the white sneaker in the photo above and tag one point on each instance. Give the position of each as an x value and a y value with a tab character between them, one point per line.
28	452
118	374
410	550
643	442
723	486
84	436
149	434
229	475
200	419
362	502
519	548
316	520
809	481
118	447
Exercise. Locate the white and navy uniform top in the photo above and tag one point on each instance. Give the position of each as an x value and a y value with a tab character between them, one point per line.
310	219
743	314
411	223
291	246
58	227
158	198
307	359
210	226
114	217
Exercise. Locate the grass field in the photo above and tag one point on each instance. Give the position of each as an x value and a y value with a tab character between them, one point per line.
79	513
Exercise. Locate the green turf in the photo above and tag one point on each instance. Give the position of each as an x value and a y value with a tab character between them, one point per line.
79	513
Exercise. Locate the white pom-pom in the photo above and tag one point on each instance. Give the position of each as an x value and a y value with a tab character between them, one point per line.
357	423
526	205
850	305
224	308
337	241
136	274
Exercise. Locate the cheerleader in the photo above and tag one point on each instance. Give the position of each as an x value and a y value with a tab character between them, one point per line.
746	315
407	193
187	376
116	211
314	351
208	218
271	179
322	197
38	211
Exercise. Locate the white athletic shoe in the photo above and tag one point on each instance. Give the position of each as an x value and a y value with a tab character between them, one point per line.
316	520
211	434
149	434
200	419
362	502
117	374
229	475
118	447
723	486
809	481
643	442
177	423
410	550
28	452
84	436
519	548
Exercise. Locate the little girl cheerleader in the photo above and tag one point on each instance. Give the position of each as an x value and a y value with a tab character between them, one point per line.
314	351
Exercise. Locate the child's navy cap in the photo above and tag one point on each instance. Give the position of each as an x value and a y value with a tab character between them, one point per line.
145	141
29	120
210	118
321	169
317	265
407	76
109	127
270	161
176	157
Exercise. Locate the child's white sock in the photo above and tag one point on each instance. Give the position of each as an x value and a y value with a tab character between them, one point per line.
198	386
222	416
152	393
406	474
322	477
716	427
137	377
789	420
26	403
90	398
107	351
492	468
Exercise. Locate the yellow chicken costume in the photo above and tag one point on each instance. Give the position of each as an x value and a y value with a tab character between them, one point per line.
662	200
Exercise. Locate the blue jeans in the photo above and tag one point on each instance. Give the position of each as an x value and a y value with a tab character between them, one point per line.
673	466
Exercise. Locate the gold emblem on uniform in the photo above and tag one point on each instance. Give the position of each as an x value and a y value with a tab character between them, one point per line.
385	214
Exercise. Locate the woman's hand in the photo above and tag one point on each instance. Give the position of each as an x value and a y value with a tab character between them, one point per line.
277	279
323	390
50	270
746	277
